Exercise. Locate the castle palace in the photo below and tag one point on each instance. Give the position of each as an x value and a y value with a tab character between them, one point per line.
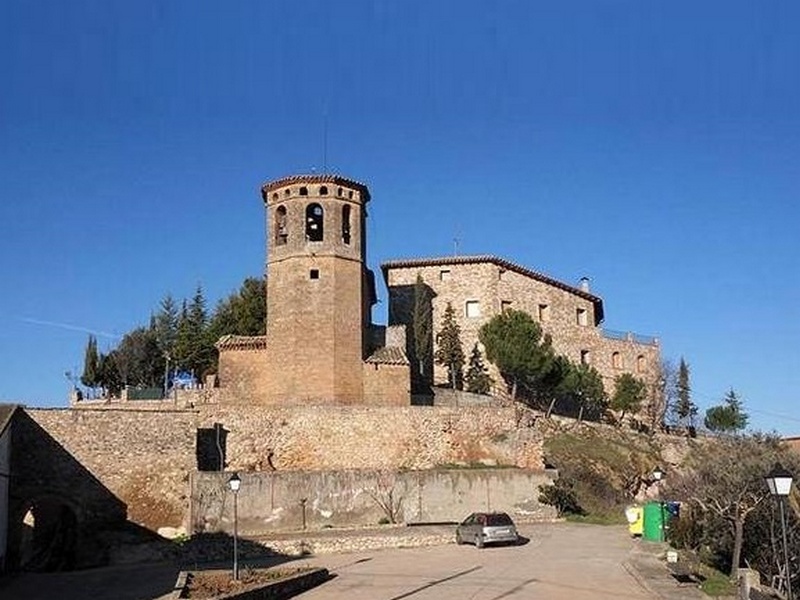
321	346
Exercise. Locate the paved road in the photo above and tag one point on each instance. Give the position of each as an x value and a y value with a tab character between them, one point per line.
560	561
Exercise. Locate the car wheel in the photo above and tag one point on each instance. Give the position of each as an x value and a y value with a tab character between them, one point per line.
479	541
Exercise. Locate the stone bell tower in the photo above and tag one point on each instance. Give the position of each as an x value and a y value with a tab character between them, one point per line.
319	290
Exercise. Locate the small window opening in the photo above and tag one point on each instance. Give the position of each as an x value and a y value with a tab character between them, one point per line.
616	360
641	364
505	305
582	317
473	309
304	191
281	231
313	274
346	224
323	191
501	274
288	192
275	196
350	194
314	222
444	275
544	313
339	192
585	357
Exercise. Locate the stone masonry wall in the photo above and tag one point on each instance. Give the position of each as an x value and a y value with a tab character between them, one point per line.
143	459
386	385
495	289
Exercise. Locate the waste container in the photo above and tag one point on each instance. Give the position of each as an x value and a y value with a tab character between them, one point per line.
654	522
635	519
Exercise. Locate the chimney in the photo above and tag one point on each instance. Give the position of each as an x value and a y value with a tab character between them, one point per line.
584	284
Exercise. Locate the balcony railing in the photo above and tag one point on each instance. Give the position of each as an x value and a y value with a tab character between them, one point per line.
628	336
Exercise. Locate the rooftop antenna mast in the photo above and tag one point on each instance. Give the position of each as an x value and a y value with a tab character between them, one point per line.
456	242
325	137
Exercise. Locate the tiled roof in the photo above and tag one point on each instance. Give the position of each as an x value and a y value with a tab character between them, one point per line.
316	178
242	342
6	411
388	355
500	262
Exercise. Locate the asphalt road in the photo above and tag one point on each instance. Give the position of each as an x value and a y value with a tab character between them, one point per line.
559	561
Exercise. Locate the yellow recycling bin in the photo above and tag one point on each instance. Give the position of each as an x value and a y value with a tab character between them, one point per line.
635	517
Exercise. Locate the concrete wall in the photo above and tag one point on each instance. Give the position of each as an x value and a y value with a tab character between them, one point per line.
270	502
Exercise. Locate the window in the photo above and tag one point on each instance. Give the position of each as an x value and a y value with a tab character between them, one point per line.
501	274
585	357
339	192
346	224
505	305
544	313
287	192
323	191
304	191
314	222
616	360
473	309
281	231
641	364
313	274
444	275
582	317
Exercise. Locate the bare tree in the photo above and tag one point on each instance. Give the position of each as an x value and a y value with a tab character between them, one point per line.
387	495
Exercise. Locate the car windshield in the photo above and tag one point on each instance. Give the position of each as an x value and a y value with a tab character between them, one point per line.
498	520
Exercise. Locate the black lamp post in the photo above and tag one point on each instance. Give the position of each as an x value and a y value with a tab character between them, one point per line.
235	483
658	475
779	481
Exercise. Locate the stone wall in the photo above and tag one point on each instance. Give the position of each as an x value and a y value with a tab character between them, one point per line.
5	469
277	501
494	289
137	462
386	385
242	373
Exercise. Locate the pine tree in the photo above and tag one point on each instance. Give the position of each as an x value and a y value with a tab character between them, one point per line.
449	351
727	417
628	396
685	409
165	323
477	379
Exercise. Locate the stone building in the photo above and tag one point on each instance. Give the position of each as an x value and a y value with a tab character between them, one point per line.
480	287
320	345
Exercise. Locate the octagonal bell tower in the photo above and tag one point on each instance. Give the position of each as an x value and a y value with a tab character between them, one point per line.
319	290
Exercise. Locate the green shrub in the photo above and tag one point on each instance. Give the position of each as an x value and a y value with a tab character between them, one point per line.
560	495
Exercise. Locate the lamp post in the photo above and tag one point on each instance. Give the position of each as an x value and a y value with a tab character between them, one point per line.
779	481
234	483
658	475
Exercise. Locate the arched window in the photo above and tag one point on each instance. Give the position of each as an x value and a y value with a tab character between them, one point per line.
616	360
314	222
641	364
346	224
304	191
281	230
323	191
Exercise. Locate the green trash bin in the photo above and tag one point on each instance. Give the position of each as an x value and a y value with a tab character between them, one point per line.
654	522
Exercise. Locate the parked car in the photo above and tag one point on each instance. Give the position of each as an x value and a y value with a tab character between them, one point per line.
483	528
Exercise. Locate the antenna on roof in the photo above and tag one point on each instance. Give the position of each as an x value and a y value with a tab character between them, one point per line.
325	137
456	242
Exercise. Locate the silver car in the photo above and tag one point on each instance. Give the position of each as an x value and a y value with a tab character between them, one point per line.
483	528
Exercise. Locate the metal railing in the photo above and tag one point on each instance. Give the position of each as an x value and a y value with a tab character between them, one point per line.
628	336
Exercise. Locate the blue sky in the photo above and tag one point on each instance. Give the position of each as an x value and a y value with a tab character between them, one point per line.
650	146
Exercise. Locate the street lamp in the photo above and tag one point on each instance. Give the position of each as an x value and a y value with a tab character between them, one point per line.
235	483
658	475
779	481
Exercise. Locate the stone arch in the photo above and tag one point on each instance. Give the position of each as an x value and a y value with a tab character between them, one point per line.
44	534
281	226
314	222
